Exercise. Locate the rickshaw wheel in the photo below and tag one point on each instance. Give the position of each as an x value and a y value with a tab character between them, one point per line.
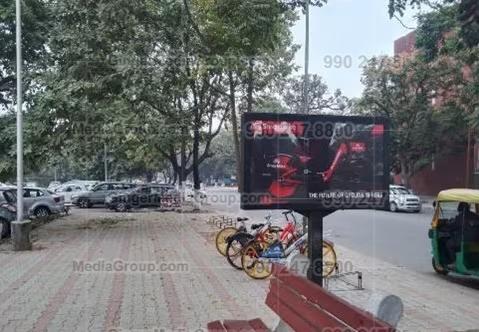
439	269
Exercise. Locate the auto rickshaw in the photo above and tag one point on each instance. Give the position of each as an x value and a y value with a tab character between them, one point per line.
454	232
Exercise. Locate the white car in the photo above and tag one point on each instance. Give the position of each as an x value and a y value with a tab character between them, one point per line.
87	183
70	189
53	185
402	199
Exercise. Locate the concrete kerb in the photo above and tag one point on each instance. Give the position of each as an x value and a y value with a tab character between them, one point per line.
21	235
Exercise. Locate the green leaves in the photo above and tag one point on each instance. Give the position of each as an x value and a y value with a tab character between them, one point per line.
417	97
466	17
435	31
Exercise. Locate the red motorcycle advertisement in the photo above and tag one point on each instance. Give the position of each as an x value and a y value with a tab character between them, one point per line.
306	162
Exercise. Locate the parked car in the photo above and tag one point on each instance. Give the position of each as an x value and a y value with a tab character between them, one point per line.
153	195
7	210
37	202
97	195
89	184
402	199
53	185
69	190
40	202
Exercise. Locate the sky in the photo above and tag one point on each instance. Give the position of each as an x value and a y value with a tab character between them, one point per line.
343	35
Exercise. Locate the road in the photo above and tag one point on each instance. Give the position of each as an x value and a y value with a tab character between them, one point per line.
397	238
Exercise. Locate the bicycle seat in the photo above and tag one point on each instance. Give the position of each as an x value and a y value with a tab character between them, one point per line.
242	219
256	226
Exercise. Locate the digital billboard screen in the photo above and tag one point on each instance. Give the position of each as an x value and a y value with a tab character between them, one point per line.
312	162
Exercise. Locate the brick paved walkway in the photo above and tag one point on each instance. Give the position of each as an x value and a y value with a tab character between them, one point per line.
40	290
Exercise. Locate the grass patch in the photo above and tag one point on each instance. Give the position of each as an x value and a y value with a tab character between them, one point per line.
103	222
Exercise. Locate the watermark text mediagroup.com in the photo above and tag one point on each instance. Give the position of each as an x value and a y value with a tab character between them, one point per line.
121	266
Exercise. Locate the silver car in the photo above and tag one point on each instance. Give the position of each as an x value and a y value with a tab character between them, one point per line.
40	203
402	199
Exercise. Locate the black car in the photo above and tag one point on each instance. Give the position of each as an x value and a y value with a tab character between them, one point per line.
7	210
154	195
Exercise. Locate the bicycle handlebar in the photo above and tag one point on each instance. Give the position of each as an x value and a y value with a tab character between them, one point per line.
290	212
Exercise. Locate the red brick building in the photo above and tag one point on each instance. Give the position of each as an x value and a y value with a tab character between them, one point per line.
447	171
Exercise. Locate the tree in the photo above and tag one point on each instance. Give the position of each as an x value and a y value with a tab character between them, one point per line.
440	40
222	164
251	43
94	93
132	77
319	98
36	22
36	27
403	91
467	14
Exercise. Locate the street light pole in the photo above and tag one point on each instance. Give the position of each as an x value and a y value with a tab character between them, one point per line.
306	62
20	229
306	82
19	113
105	161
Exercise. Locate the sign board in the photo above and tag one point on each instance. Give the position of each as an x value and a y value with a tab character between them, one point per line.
312	162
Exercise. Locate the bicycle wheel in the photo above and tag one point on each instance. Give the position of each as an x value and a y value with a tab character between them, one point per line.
235	247
251	263
222	239
329	258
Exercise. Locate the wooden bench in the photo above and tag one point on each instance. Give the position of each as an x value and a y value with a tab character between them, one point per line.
305	306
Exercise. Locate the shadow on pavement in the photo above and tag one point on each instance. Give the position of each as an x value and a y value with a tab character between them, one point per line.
470	282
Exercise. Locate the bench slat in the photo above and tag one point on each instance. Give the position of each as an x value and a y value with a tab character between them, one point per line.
237	326
258	325
352	316
215	326
287	315
314	315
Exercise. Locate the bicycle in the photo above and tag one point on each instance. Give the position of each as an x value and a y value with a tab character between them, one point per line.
264	232
223	235
257	258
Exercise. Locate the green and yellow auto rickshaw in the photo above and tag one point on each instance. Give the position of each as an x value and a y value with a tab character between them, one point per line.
454	232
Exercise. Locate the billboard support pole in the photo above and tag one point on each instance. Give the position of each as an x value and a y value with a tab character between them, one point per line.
315	244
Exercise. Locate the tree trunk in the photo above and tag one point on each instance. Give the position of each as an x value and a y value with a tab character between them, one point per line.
196	161
196	152
250	87
182	175
406	172
234	125
404	178
149	176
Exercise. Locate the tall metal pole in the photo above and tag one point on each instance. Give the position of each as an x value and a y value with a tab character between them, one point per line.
306	83
19	113
306	63
105	160
468	158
